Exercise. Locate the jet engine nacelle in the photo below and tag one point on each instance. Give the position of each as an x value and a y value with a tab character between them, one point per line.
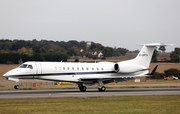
127	67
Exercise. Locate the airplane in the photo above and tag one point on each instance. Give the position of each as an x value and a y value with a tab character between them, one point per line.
87	73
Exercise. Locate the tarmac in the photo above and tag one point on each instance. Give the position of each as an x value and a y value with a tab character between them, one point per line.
10	94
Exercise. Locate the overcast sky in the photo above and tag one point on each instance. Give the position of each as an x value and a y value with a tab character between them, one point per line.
120	23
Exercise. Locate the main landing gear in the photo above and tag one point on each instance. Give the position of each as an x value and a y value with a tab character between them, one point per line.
81	87
101	88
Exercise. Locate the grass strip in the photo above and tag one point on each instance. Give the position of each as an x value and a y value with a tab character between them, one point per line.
164	104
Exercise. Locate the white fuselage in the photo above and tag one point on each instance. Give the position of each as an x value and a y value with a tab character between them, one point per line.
72	72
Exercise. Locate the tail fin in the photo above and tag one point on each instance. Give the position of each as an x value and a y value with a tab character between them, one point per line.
145	55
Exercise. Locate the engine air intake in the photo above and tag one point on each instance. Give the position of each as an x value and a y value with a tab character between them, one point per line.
116	68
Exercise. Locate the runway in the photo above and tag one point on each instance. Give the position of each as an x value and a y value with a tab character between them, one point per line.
9	94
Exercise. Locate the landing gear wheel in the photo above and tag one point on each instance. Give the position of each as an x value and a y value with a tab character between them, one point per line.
102	89
16	87
83	88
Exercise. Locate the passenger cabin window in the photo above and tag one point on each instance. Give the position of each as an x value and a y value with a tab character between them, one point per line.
30	67
23	66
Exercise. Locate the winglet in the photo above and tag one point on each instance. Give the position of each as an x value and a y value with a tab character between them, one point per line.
154	70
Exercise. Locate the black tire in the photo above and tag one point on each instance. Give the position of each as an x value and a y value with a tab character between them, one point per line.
102	89
16	87
83	88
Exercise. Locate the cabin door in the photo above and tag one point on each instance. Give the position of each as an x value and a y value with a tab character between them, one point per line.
39	68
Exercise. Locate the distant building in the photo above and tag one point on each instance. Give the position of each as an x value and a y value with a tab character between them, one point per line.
81	50
88	44
95	53
100	55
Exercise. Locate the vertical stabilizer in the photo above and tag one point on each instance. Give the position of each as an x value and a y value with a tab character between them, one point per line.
145	55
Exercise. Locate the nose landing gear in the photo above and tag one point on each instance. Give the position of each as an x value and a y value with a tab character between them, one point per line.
16	86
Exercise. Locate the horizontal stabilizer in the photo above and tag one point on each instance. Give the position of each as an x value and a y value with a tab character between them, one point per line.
154	70
157	44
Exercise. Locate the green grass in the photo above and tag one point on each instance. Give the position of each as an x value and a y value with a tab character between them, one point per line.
101	105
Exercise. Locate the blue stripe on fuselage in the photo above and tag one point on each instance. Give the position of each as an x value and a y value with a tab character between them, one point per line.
62	74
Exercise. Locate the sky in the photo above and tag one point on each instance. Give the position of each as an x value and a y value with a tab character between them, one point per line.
113	23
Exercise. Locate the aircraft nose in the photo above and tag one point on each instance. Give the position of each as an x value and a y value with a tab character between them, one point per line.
5	75
10	73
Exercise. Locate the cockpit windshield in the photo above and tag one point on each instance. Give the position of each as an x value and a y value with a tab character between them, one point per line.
23	66
26	66
30	67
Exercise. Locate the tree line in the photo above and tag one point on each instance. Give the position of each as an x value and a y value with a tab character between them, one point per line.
175	55
31	49
17	58
11	51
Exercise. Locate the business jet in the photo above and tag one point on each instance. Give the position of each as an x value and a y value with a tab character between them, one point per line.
87	73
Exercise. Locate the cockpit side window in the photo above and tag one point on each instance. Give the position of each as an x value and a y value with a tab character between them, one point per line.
23	66
30	67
